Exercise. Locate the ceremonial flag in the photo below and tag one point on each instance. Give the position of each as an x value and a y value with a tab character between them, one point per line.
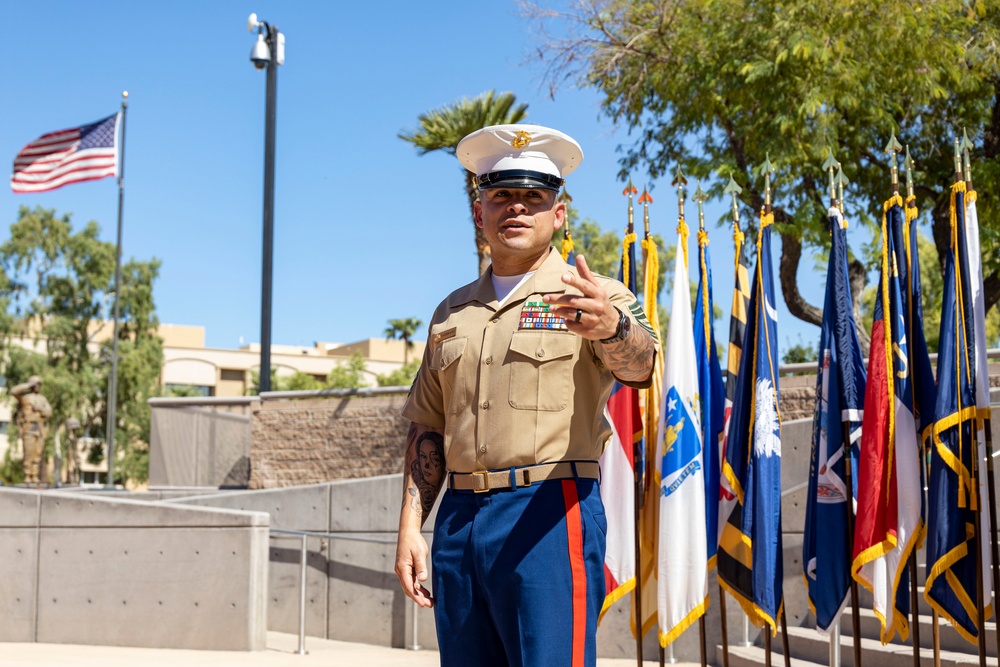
921	375
749	559
889	521
953	496
840	391
983	412
56	159
619	467
737	330
682	586
649	523
712	392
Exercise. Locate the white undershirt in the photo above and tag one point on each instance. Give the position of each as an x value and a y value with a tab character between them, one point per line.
504	286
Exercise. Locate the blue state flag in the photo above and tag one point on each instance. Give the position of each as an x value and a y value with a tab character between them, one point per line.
953	496
749	559
711	391
840	390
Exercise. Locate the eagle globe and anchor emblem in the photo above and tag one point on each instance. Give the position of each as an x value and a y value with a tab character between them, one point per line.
521	139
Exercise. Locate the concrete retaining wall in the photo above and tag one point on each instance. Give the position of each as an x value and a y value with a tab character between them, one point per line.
81	569
352	592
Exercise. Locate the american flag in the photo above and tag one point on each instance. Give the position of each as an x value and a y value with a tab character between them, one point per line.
56	159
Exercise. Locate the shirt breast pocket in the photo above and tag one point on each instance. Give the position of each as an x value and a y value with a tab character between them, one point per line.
445	362
541	369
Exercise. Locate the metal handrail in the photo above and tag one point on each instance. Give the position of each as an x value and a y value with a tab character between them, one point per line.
286	534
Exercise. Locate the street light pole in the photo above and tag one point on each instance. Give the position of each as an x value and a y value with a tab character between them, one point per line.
269	52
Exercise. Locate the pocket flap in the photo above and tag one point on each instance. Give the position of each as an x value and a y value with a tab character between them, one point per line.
447	352
542	346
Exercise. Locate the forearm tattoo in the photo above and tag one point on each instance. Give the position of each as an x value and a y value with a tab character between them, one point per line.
425	469
631	359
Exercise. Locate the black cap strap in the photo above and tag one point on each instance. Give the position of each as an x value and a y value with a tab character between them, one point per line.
519	178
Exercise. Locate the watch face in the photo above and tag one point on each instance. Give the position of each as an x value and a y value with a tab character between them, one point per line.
626	325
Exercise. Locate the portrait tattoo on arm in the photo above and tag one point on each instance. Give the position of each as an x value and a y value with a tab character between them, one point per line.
425	468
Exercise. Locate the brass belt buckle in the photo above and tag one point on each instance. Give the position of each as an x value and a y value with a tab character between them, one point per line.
486	481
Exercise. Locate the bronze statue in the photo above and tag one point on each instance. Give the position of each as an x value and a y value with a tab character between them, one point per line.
32	412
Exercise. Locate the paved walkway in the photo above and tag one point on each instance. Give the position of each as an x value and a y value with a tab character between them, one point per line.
280	653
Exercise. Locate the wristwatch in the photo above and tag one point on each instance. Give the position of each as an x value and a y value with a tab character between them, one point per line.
623	330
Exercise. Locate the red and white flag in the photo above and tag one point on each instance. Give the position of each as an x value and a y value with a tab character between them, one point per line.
618	495
83	153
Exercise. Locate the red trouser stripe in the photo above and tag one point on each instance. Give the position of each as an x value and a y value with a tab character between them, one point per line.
574	534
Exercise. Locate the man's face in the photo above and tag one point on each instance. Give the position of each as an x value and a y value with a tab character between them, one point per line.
518	222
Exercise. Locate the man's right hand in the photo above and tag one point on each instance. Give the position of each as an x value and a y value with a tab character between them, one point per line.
411	566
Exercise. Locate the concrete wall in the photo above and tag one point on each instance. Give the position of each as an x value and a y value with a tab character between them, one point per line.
354	595
82	569
352	591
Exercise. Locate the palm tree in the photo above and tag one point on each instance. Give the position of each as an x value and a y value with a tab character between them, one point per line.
403	330
442	129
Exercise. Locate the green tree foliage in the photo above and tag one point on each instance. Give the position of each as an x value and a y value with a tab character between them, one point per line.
61	285
932	286
801	352
717	86
349	375
403	330
442	129
401	377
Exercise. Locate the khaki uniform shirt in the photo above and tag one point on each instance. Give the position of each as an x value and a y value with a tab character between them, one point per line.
505	395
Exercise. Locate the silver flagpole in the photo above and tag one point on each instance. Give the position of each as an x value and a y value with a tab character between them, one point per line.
113	379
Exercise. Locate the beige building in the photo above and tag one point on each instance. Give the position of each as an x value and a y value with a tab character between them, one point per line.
221	372
226	372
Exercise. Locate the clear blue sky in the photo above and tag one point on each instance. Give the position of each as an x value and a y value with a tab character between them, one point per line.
365	230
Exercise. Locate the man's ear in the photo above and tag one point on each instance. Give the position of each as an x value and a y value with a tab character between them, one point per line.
560	212
477	213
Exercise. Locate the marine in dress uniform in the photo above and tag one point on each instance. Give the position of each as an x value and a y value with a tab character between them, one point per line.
511	393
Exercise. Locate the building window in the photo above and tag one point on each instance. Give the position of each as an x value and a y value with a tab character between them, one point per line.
229	375
189	390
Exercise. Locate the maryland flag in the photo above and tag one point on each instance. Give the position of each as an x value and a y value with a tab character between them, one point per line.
749	559
712	393
619	467
889	521
682	581
954	497
840	392
737	331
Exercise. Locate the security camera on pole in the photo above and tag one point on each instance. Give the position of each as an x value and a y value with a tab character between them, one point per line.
268	51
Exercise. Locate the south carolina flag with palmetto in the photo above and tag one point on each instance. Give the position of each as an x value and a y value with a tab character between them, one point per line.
749	560
682	583
889	521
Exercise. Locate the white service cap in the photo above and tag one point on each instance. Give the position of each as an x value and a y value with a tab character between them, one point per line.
519	156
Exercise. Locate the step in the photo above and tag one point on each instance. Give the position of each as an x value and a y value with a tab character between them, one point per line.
871	628
808	644
753	656
866	601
